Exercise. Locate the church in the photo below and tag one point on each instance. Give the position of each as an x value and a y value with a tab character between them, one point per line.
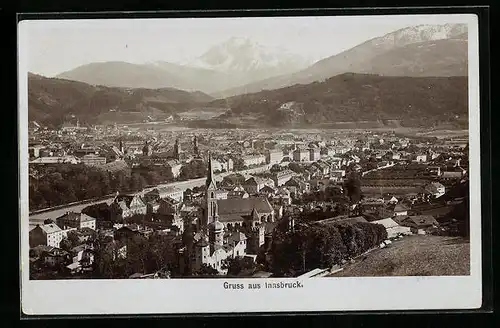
229	227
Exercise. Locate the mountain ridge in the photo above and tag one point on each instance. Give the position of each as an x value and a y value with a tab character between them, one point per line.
352	97
356	58
52	100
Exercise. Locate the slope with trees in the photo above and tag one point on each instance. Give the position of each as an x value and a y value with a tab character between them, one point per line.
51	101
413	101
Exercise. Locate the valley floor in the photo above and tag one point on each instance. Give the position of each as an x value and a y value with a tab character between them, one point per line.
417	255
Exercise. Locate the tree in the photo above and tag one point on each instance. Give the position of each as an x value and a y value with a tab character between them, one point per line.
73	238
236	265
314	245
192	170
137	255
238	164
163	252
353	187
107	264
296	168
100	211
65	244
205	269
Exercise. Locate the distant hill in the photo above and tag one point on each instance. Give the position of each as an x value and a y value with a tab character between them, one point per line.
423	50
233	63
122	74
52	100
412	101
154	75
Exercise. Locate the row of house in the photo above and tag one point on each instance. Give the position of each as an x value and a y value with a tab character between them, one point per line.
51	234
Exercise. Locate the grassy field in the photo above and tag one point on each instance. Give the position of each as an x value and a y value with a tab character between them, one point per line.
418	255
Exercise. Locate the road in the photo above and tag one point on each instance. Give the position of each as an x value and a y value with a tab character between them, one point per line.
38	218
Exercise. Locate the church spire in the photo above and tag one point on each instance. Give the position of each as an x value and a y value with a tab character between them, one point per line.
210	175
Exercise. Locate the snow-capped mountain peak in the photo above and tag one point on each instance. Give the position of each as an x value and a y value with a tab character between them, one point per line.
243	55
422	33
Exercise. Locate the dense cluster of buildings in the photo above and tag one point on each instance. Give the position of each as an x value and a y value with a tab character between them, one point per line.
234	214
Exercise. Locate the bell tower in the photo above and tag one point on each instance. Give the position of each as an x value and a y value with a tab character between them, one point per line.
177	149
195	146
211	210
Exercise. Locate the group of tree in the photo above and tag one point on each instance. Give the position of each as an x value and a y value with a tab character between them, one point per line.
70	241
66	183
193	170
314	245
369	163
240	265
100	211
352	187
238	163
143	255
331	193
152	174
297	168
460	214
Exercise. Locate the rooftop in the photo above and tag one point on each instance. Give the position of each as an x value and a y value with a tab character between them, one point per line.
244	206
50	228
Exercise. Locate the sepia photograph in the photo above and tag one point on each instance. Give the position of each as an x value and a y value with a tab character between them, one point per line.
239	157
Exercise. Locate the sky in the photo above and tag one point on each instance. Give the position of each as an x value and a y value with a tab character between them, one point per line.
55	46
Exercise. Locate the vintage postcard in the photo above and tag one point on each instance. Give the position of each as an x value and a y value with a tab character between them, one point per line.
266	164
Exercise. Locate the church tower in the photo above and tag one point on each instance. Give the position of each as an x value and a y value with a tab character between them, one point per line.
195	146
177	149
147	150
216	234
211	211
122	150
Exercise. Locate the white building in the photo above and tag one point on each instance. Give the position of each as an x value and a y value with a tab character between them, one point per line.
254	184
175	167
282	177
222	165
393	229
421	158
55	160
314	154
165	192
274	156
436	189
337	174
93	160
76	220
48	234
254	160
301	155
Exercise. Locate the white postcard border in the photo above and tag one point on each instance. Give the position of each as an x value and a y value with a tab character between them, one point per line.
81	297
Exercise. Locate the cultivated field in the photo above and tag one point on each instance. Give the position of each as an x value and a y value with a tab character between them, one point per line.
418	255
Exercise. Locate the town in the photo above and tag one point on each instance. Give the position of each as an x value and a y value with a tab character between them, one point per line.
155	201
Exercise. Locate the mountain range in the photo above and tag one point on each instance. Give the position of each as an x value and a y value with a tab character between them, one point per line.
52	101
348	97
356	98
240	65
415	76
237	61
424	50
